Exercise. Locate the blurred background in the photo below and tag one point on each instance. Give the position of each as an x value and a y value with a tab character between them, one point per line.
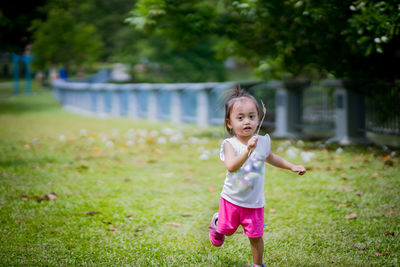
169	41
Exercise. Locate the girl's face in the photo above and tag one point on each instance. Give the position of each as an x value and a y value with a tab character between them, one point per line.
243	119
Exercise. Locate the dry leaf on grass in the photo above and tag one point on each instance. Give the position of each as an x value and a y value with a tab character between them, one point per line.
387	157
392	212
112	228
381	254
51	196
186	215
91	212
375	175
272	210
389	163
389	234
351	216
173	223
211	189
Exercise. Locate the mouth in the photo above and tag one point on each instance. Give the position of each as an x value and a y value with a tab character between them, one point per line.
247	128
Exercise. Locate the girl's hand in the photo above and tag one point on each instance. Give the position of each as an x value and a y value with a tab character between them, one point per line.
252	143
298	168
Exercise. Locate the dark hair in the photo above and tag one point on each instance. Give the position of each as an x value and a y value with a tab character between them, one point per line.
232	96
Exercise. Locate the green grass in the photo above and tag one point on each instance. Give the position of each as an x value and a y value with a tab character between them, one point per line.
151	203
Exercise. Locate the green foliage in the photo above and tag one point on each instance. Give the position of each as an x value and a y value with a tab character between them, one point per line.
287	38
60	40
192	58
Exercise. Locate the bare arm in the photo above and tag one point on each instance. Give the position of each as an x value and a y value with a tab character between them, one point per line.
279	162
233	162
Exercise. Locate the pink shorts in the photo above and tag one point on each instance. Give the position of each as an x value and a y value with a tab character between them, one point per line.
230	216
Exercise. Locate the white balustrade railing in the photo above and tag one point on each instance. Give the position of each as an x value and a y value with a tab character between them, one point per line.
200	103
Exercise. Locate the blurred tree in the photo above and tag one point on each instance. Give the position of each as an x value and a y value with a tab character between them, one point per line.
63	41
77	31
291	38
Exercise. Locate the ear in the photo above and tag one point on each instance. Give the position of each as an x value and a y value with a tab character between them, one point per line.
228	123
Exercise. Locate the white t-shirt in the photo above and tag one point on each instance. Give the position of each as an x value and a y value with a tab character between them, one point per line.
245	187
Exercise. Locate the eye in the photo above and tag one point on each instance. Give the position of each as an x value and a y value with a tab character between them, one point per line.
240	117
252	116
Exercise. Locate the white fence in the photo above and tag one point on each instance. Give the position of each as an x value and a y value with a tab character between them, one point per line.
201	103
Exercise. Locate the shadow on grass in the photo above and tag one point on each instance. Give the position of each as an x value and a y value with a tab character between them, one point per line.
21	162
17	104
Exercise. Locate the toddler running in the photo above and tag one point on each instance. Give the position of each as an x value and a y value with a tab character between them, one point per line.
244	154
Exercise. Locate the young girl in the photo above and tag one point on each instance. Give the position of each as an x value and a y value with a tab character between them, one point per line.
244	154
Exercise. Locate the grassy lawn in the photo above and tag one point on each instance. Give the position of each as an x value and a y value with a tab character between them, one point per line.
115	192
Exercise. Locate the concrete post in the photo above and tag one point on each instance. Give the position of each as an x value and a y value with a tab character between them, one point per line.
176	106
101	104
133	105
281	112
203	108
115	93
349	115
152	105
93	101
289	108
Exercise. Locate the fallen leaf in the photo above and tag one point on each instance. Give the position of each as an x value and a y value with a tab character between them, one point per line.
100	182
342	205
129	218
389	234
186	215
381	254
112	228
24	197
40	198
360	193
96	149
92	212
387	157
211	189
374	175
392	212
272	210
351	216
127	180
362	247
173	223
104	167
389	163
150	140
51	196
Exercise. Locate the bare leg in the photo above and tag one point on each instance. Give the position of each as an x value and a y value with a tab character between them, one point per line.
257	248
